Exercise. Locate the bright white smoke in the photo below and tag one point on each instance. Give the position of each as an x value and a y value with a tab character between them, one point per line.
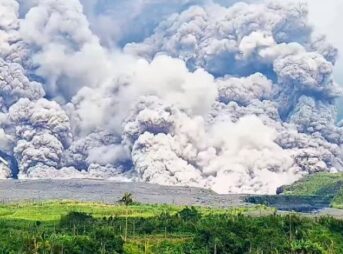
235	97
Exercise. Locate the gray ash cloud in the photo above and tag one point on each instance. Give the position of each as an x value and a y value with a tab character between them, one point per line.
235	97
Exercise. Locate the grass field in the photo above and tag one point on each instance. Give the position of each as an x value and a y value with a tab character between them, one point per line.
71	227
50	211
337	201
21	219
53	210
320	184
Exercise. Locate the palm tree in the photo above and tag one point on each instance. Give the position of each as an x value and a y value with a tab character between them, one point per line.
127	200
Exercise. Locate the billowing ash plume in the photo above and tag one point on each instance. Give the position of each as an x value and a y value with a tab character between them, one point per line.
9	25
232	97
66	52
15	85
42	131
238	40
244	90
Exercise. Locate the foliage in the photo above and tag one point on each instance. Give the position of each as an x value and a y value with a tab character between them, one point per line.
316	184
127	199
338	200
319	184
174	231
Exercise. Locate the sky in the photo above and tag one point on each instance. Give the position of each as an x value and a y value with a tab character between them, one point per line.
326	16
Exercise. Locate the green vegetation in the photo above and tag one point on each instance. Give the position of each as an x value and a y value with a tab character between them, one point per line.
337	201
127	200
75	227
324	184
53	210
321	184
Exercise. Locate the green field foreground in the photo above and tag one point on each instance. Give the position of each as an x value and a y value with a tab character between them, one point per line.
79	227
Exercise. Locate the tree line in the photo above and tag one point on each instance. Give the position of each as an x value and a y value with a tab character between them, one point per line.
187	231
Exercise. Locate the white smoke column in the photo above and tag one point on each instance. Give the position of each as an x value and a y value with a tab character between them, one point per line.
44	171
163	142
170	147
5	172
5	145
9	24
276	40
97	151
68	54
228	40
304	73
317	118
15	85
13	54
236	99
247	159
42	132
106	107
244	90
170	79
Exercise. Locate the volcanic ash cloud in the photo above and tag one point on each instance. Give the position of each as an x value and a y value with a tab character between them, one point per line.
236	98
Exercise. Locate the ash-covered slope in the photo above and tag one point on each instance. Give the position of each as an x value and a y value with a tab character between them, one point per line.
235	99
110	192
